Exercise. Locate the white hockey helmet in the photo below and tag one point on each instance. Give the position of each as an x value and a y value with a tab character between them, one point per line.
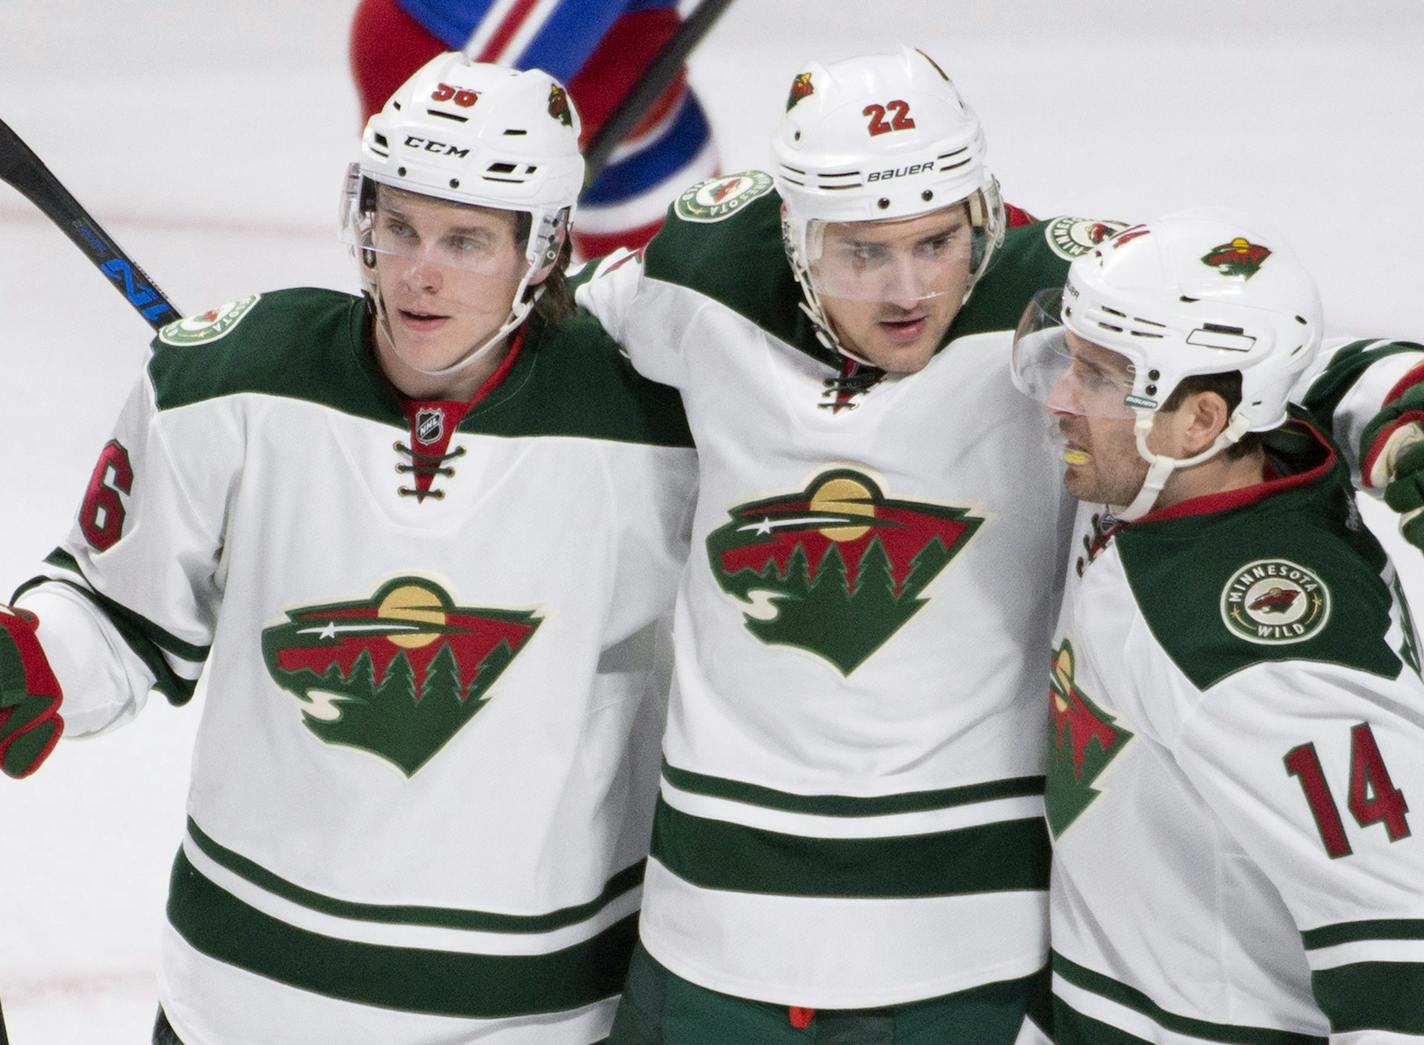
873	138
477	134
1191	293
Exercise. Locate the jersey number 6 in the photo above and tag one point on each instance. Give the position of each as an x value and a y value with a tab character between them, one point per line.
101	517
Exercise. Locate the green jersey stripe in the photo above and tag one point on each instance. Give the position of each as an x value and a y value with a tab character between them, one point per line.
444	983
164	640
435	917
1372	996
714	854
845	805
1132	998
1372	929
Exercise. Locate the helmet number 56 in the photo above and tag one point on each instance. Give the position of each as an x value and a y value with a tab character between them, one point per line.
899	119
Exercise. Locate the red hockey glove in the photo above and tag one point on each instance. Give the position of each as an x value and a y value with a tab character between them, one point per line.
29	696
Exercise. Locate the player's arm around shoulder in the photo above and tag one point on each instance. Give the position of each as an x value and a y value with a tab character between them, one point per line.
720	246
1032	257
1370	395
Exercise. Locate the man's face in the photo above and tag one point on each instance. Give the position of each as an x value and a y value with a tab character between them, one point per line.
1104	466
892	288
447	274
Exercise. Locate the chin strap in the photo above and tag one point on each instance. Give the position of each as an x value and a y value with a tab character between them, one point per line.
517	314
1160	469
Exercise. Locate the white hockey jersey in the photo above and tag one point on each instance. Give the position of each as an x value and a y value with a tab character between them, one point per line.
423	781
1237	735
851	810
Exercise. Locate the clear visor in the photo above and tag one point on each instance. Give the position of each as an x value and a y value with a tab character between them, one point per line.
897	260
1064	372
419	247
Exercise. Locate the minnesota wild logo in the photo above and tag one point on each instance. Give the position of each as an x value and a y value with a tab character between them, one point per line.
559	105
397	674
1240	257
1082	740
718	198
207	326
801	87
837	568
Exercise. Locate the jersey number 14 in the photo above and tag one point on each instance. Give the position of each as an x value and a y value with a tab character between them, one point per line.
1373	798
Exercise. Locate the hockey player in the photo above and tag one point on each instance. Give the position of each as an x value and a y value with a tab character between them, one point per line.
849	838
850	828
601	48
424	776
1235	667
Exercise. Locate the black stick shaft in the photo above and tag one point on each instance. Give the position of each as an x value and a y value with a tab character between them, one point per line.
657	76
21	168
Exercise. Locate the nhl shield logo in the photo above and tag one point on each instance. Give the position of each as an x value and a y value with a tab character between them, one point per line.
429	424
1275	602
835	569
396	675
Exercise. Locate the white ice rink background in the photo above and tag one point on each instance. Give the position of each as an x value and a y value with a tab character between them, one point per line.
210	138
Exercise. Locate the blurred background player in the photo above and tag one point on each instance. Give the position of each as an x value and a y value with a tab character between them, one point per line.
423	779
600	48
1235	667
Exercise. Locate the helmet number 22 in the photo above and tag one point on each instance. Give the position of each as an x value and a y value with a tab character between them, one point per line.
899	119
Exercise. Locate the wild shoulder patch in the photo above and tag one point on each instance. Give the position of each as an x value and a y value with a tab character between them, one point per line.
1073	237
207	326
1274	602
718	198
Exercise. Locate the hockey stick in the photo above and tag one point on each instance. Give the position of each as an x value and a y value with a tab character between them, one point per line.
4	1037
20	167
656	77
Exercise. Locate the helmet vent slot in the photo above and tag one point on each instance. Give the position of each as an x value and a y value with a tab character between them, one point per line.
500	168
515	131
448	115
